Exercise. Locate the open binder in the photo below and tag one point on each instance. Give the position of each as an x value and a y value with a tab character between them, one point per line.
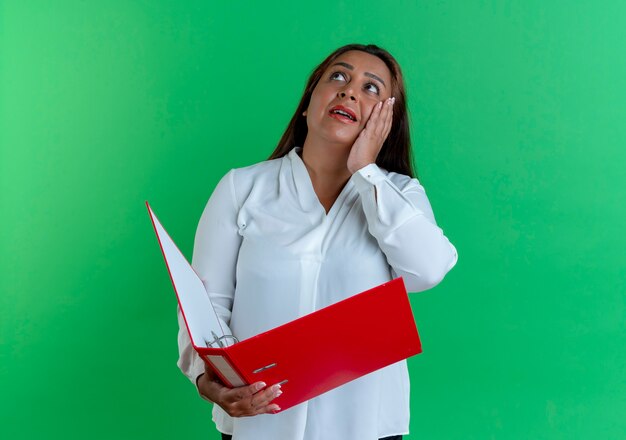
307	356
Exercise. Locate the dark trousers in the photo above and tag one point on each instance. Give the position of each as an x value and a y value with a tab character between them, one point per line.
393	437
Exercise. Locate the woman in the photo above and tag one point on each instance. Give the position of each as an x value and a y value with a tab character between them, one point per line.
335	211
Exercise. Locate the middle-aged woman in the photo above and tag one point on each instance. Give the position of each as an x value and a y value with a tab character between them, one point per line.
335	211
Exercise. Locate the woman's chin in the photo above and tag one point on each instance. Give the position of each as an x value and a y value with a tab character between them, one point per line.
342	137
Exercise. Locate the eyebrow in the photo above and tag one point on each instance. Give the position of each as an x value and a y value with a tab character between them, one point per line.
371	75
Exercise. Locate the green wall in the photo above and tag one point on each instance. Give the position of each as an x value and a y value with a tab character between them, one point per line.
519	133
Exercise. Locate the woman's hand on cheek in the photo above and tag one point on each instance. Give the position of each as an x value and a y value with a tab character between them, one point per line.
365	149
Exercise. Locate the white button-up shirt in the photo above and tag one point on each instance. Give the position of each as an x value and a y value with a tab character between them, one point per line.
268	253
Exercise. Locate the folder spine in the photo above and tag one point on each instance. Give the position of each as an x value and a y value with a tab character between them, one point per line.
225	369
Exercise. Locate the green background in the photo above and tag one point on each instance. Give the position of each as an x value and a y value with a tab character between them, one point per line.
518	119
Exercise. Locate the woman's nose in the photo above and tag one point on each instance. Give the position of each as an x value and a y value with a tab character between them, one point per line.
343	95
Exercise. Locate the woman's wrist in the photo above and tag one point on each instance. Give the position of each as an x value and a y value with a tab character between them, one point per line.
201	387
207	388
353	168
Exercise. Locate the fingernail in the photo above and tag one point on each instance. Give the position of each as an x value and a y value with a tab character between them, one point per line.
278	393
380	104
276	387
260	386
393	100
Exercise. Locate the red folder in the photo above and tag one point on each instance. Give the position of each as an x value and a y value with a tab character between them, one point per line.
317	352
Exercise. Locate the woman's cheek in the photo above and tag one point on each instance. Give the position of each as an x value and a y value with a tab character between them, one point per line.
368	114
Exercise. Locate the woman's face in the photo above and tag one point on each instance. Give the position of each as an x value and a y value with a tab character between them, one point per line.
345	96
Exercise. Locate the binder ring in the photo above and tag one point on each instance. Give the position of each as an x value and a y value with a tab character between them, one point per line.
218	340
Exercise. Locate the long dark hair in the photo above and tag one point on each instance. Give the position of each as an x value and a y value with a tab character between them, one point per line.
395	154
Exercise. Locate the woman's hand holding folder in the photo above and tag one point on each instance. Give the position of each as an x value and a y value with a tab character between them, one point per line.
246	401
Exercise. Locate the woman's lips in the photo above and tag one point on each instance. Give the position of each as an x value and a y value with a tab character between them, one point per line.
343	114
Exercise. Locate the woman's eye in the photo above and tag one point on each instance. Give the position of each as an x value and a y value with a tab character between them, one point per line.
338	76
371	87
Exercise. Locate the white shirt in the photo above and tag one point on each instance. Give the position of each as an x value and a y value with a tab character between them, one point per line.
268	253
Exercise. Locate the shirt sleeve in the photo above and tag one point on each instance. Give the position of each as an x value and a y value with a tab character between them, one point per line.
215	252
402	221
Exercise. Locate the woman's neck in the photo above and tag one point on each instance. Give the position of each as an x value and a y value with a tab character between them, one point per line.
326	160
327	167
